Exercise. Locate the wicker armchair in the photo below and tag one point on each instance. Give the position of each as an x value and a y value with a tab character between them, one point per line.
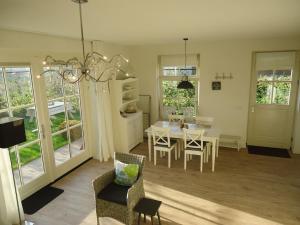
119	201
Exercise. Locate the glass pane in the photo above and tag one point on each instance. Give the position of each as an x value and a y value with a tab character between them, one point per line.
180	71
13	158
19	86
61	148
71	89
31	162
264	75
76	140
73	106
263	93
281	93
3	99
57	115
54	85
283	75
178	98
29	116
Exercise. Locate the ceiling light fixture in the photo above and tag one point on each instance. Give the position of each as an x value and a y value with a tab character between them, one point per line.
185	83
95	66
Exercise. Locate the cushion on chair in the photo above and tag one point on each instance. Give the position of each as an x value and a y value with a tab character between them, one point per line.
172	142
114	193
126	174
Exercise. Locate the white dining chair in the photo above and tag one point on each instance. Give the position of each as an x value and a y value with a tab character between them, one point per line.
163	143
204	120
194	145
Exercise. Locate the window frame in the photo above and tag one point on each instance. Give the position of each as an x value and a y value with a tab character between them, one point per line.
178	78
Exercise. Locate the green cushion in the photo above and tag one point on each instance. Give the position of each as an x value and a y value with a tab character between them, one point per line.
126	174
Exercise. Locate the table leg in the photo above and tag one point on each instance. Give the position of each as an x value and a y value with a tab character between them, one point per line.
144	218
158	218
139	219
152	220
217	147
149	146
213	155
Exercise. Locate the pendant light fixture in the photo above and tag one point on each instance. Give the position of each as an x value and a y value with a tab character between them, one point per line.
93	67
185	83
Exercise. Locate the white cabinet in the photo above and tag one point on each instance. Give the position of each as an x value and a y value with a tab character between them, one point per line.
127	124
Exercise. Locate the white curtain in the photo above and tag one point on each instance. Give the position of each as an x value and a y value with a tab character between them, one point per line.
8	205
105	143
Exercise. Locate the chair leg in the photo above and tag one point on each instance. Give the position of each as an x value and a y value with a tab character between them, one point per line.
175	152
201	162
154	157
184	160
160	154
169	159
98	222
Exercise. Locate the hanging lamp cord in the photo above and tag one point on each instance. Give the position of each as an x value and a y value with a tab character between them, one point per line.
81	29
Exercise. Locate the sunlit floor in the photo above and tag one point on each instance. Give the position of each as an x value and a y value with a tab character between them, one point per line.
244	189
35	168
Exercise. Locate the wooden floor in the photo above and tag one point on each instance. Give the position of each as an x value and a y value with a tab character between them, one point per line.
244	189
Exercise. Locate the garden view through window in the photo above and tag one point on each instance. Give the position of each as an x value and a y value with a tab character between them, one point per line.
274	86
16	99
65	117
179	101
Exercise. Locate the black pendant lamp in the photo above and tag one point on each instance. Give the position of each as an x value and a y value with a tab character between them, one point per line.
185	83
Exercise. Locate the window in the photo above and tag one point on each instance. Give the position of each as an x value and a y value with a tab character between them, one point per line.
274	86
173	100
64	108
17	99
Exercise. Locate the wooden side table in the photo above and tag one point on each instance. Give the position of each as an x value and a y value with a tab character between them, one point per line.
148	207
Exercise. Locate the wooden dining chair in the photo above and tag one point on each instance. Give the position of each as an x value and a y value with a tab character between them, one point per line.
163	143
194	145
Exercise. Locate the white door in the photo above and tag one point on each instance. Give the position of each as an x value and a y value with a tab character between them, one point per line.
52	115
272	100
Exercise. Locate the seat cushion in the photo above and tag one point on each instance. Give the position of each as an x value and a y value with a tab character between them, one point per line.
172	142
114	193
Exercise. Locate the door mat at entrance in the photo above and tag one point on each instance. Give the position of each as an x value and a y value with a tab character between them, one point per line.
39	199
277	152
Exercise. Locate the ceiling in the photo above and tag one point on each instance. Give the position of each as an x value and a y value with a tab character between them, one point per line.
135	22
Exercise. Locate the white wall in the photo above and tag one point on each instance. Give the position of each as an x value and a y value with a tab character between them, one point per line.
230	105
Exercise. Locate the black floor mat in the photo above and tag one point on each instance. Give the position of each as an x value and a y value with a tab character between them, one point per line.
39	199
277	152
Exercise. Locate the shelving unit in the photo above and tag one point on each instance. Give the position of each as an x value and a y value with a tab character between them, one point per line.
127	125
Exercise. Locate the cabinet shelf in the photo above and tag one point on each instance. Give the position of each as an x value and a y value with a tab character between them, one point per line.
125	102
128	91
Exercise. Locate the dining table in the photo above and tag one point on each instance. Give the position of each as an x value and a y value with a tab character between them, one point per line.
211	135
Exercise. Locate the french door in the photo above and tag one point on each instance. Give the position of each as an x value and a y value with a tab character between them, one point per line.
53	120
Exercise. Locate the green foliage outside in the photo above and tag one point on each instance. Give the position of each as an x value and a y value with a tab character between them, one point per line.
281	93
180	98
33	152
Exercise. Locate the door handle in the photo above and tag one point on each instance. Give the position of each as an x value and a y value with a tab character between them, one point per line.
252	109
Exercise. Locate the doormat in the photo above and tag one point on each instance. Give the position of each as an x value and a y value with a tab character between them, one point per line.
39	199
277	152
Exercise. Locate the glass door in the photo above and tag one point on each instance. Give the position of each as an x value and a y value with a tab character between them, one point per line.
52	114
65	119
17	99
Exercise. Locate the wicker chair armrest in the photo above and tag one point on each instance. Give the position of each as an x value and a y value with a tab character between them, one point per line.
102	181
135	193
